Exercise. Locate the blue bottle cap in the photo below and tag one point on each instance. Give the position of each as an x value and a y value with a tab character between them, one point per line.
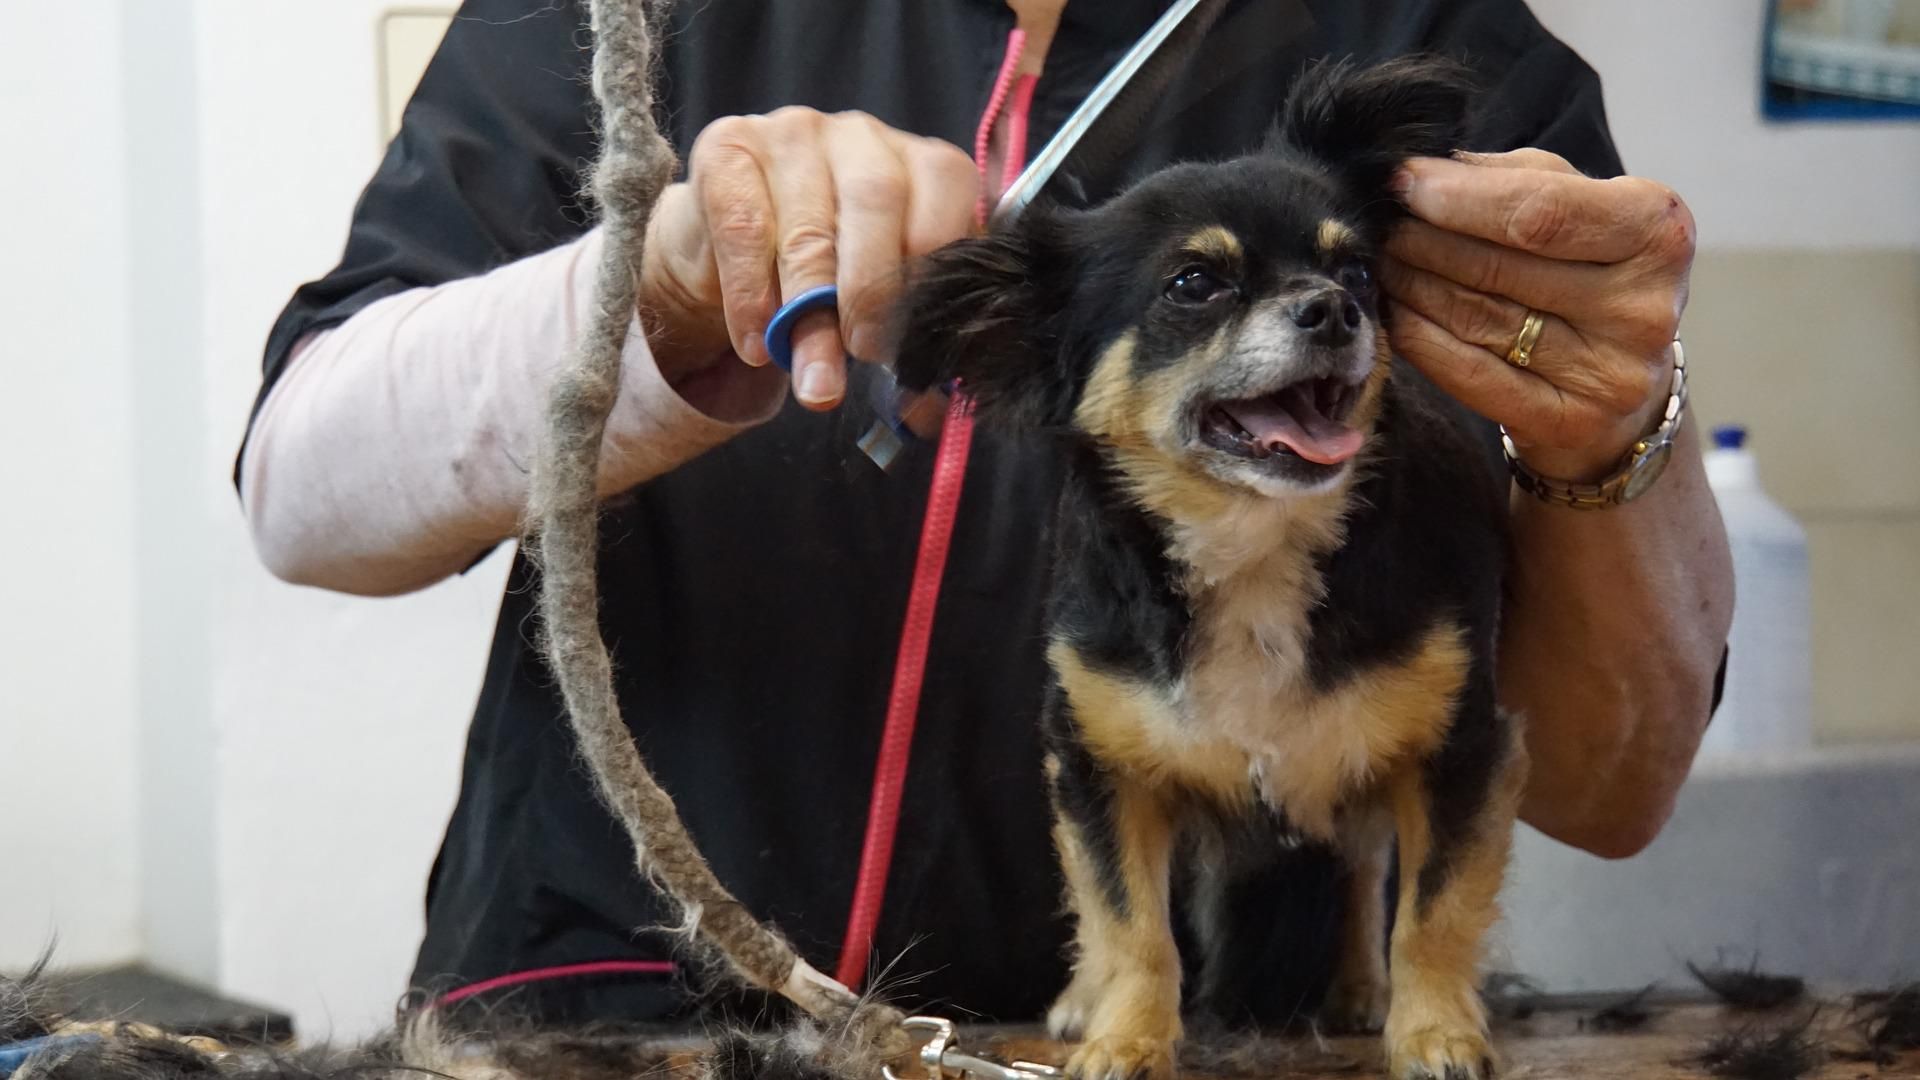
1729	436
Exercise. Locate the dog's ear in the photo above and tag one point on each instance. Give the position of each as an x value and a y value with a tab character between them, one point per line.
988	312
1364	122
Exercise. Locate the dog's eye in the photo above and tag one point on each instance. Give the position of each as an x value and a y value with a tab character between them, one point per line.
1195	285
1357	278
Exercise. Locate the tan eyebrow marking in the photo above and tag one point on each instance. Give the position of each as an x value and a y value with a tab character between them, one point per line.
1334	235
1214	242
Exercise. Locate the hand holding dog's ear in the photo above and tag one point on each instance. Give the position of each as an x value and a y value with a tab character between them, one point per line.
1607	263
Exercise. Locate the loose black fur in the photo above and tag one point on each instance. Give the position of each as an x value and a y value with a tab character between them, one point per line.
1894	1019
423	1046
1783	1053
25	1012
1889	1025
1628	1014
1750	988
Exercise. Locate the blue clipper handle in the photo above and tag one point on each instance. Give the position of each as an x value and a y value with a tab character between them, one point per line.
779	336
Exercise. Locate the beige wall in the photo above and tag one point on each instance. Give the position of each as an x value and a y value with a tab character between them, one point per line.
1818	353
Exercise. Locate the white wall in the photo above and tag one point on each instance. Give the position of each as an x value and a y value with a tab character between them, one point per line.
178	815
1683	93
67	643
236	780
341	721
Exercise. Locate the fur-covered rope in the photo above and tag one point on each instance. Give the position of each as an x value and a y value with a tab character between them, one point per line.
635	165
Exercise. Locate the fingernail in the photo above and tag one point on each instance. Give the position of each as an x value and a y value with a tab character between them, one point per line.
1402	182
817	384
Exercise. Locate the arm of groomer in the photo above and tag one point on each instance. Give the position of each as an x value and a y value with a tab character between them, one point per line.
1616	619
394	450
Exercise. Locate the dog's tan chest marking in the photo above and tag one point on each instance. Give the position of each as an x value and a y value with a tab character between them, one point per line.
1246	719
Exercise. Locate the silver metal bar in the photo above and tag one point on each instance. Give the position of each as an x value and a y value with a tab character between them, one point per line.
1034	177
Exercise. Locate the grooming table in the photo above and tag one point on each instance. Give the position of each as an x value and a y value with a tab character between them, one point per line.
1552	1044
138	995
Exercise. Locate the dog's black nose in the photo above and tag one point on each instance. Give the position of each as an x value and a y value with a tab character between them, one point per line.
1330	316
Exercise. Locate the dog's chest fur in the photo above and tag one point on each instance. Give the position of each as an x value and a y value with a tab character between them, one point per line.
1252	580
1236	700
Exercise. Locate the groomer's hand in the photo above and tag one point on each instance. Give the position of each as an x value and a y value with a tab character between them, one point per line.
775	205
1605	261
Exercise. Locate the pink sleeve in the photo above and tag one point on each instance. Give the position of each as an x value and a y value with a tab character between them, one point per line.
394	449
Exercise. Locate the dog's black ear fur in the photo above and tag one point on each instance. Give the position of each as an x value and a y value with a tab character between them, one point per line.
987	311
1363	122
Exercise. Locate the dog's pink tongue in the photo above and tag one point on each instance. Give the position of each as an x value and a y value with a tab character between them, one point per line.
1291	419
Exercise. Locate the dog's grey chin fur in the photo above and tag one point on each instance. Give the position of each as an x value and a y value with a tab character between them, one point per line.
1259	481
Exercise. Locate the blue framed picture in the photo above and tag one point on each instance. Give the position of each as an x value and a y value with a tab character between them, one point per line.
1841	60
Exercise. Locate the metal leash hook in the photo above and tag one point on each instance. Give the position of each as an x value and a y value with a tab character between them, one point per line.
944	1060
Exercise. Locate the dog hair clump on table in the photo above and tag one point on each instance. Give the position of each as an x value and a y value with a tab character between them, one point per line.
1753	1053
421	1048
1749	987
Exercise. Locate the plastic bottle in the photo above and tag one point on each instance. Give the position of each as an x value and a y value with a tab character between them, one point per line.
1768	701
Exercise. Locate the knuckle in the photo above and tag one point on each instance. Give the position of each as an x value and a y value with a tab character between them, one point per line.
1658	325
870	301
858	118
945	159
1646	321
1538	220
1579	425
874	189
1477	318
1483	269
740	223
806	245
1642	190
1630	388
1554	161
725	135
795	116
1672	233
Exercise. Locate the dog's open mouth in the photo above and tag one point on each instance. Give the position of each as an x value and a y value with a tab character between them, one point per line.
1306	419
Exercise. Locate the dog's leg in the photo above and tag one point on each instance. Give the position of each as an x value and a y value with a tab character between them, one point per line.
1455	818
1125	995
1357	1000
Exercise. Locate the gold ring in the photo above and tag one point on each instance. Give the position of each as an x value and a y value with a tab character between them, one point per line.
1522	352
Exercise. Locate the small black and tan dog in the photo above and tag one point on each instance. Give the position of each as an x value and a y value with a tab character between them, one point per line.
1279	562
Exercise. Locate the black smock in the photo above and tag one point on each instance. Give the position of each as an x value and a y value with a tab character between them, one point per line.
754	596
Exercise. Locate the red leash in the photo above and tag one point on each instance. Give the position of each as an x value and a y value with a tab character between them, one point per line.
936	535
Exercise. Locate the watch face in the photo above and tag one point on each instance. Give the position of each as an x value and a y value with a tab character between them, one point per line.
1645	471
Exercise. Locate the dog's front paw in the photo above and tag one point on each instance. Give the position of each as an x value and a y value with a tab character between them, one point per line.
1115	1058
1356	1006
1068	1018
1441	1053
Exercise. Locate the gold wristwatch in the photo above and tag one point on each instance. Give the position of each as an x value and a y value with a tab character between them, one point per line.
1642	465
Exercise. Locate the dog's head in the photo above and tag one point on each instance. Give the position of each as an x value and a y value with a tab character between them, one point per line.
1216	323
